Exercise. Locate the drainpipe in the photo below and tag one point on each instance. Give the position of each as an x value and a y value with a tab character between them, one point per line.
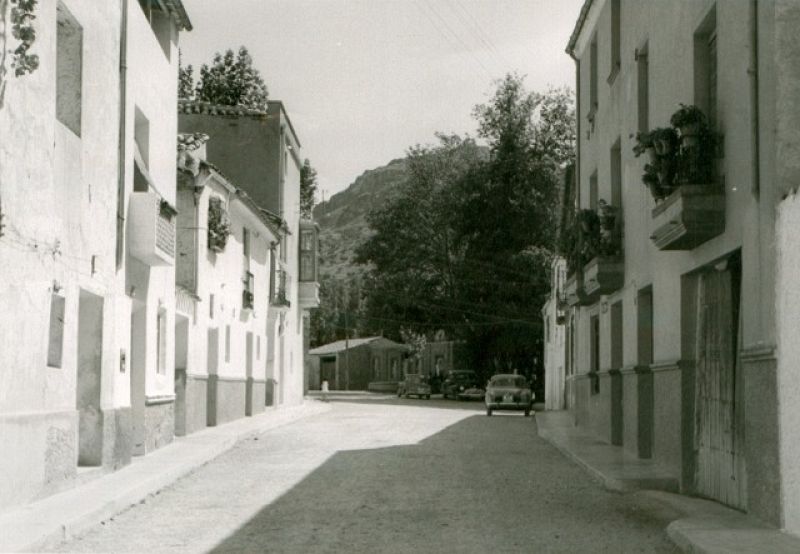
123	72
754	113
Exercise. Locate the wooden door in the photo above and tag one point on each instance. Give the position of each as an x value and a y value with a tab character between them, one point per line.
719	415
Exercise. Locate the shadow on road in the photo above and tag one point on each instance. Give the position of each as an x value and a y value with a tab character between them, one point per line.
482	484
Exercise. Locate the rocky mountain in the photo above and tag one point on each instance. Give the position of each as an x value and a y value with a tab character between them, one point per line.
343	218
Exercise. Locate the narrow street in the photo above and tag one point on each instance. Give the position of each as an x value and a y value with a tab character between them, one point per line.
388	475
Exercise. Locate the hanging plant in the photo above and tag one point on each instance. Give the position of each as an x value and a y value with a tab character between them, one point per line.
219	225
22	16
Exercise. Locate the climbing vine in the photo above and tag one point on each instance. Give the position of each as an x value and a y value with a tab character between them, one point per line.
22	16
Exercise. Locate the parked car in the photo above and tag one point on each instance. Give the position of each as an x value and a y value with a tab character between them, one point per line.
414	385
472	393
508	392
457	382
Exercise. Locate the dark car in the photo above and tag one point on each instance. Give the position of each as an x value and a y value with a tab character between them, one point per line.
508	392
414	385
457	382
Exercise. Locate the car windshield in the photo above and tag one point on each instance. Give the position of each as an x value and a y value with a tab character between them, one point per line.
463	377
517	382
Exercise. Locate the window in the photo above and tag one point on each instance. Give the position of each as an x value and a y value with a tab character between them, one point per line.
593	191
616	52
594	354
705	67
55	346
211	306
246	244
247	295
616	174
616	335
227	343
375	368
141	153
161	341
644	305
308	254
160	22
69	70
593	79
642	90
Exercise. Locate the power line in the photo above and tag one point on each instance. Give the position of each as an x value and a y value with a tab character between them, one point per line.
438	29
485	37
481	40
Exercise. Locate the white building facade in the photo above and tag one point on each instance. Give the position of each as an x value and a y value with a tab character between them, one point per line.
75	384
226	246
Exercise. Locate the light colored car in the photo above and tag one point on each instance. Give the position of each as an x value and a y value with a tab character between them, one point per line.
508	392
414	385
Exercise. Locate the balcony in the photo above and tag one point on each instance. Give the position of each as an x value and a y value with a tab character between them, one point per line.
279	296
247	293
688	217
573	290
308	295
603	275
152	229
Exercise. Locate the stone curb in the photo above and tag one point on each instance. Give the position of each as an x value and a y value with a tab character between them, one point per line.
706	527
69	513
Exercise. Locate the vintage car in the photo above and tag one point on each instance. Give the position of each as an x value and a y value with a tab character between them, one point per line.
472	393
508	392
457	382
414	385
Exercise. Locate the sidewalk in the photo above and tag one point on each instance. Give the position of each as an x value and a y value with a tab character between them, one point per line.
70	512
705	526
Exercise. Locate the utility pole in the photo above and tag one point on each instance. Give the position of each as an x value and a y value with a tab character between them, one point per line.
346	351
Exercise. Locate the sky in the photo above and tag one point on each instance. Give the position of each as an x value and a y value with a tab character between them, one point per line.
363	80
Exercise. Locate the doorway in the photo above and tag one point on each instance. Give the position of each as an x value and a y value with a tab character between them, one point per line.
181	362
719	400
89	379
248	397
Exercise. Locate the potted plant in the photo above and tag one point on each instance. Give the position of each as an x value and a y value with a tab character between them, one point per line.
644	145
608	215
690	120
219	226
665	141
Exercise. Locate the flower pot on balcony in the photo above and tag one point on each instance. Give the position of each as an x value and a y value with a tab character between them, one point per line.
603	275
690	216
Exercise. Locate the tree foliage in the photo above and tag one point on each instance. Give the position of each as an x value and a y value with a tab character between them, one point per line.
308	189
230	80
467	243
412	254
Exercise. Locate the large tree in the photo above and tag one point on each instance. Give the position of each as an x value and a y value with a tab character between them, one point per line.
466	245
412	257
508	220
230	80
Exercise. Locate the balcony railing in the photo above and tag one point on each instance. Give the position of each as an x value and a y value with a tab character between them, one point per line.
152	229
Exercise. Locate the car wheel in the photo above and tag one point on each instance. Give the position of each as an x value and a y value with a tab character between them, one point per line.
488	411
427	397
527	412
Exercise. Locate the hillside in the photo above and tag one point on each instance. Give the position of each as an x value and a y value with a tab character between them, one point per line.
342	219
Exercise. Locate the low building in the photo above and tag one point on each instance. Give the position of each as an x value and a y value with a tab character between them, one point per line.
223	282
371	363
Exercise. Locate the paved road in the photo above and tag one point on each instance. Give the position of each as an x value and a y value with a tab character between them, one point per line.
388	475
